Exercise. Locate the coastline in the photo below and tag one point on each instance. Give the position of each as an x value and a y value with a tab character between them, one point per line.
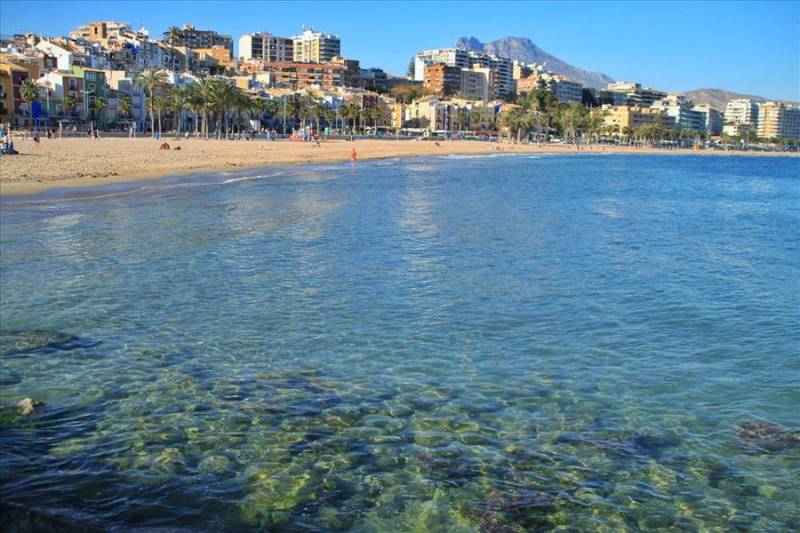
76	163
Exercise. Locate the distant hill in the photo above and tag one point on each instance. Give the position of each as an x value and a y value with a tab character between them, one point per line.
718	98
523	49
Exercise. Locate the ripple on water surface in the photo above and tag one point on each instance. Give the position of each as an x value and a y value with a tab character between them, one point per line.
483	344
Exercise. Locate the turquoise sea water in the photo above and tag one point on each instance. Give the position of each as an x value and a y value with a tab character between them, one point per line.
445	344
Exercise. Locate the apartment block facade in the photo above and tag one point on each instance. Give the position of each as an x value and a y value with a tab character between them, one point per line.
266	47
315	47
779	120
742	111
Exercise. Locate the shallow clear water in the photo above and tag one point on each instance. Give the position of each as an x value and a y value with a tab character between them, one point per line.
441	344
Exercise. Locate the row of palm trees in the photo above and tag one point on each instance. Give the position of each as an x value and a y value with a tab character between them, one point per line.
217	102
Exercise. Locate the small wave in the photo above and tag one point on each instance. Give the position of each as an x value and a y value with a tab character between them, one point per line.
244	178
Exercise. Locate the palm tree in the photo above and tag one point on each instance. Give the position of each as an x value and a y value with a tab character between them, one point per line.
69	102
194	102
125	105
160	105
256	108
29	92
240	102
176	100
271	107
205	100
100	105
173	34
152	79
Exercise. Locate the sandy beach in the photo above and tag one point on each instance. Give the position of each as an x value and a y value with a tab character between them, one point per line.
87	162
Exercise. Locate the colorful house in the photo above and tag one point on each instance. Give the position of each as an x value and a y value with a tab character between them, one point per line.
94	87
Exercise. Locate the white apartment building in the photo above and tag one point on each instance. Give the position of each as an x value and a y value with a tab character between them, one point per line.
452	57
742	111
62	55
567	90
679	110
712	121
457	57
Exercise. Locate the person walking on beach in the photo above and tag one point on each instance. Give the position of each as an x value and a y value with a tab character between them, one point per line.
353	157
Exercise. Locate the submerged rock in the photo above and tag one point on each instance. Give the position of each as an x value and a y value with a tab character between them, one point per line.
24	407
25	342
633	444
515	506
766	437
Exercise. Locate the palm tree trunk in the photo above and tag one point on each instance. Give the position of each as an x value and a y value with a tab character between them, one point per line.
152	119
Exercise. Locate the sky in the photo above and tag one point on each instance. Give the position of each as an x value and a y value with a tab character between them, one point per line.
744	47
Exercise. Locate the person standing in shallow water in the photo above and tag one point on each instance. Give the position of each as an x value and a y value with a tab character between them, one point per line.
353	156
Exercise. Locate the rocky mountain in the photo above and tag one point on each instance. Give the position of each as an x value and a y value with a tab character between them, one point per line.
523	49
718	98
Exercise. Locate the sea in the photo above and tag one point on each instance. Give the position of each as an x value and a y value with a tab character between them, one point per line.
588	342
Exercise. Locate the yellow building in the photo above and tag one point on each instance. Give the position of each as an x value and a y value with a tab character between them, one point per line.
315	47
220	54
778	120
621	117
12	76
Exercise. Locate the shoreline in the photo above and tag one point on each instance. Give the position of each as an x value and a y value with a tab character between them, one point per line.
84	163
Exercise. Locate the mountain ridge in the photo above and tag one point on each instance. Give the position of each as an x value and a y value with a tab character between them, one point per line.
523	49
719	98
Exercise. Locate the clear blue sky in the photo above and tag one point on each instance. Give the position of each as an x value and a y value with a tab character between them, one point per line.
744	47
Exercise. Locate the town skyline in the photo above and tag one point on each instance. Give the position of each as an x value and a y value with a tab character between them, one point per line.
773	76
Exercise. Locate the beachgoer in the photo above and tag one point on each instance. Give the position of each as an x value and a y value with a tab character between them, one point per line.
36	138
353	157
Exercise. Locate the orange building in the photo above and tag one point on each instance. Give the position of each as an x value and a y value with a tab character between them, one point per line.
300	75
442	79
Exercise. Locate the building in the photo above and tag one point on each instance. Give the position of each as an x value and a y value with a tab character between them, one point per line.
266	46
680	112
94	87
216	55
477	83
59	84
529	84
737	130
63	57
100	31
566	90
522	70
374	79
503	67
124	83
778	120
612	98
315	47
12	76
452	57
456	57
193	38
442	79
712	121
295	76
622	117
635	94
352	71
430	113
742	111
